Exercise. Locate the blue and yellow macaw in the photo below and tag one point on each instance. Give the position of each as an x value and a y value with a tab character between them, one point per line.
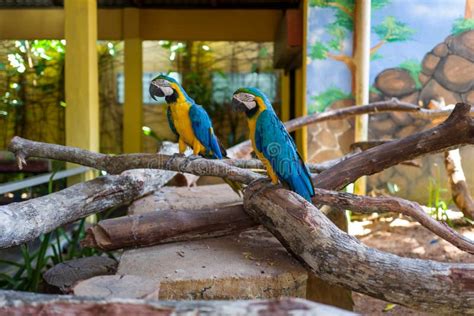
189	121
272	143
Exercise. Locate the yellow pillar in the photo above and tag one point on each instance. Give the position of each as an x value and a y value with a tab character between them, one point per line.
300	87
132	111
362	70
285	97
81	78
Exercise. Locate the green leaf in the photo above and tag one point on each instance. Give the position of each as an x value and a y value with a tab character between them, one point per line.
461	25
389	307
318	51
328	97
391	30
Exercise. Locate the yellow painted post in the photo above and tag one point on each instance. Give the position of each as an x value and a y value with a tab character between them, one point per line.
300	87
133	106
285	97
362	69
81	78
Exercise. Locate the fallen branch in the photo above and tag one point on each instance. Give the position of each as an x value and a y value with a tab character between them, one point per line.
23	303
25	221
457	181
340	259
166	226
369	205
457	130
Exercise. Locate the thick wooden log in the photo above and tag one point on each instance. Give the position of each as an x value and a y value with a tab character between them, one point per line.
340	259
167	226
457	130
457	181
22	303
25	221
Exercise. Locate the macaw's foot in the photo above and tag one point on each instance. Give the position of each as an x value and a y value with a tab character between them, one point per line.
178	155
170	161
193	157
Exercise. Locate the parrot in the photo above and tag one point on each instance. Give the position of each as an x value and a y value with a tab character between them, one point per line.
189	122
272	143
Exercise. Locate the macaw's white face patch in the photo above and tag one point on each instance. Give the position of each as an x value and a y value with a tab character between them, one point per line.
167	91
247	99
164	86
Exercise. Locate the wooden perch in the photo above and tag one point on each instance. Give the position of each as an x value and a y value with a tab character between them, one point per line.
179	225
166	226
457	130
25	221
457	181
23	303
341	259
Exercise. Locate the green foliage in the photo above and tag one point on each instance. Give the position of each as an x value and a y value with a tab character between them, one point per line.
461	25
318	51
414	68
325	99
438	207
391	30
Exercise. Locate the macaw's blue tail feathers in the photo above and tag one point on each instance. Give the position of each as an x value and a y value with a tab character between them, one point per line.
215	146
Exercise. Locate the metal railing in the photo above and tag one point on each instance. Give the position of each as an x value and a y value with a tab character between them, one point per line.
41	179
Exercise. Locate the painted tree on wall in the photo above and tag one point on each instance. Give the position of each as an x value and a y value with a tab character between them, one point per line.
390	30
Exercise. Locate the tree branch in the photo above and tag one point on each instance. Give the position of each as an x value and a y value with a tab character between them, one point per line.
459	189
340	259
457	130
24	303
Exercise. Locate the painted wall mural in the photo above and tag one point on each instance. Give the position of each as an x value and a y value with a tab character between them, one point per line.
422	52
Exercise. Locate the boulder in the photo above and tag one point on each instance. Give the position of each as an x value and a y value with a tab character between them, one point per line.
433	90
469	97
248	265
429	64
423	78
64	275
441	50
455	73
184	198
462	45
395	82
118	286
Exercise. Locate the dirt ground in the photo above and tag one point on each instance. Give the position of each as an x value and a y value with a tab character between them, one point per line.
404	238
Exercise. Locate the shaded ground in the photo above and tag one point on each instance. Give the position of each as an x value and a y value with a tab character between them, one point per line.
402	237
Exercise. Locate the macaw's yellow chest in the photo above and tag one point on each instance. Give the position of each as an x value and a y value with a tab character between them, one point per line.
252	122
182	122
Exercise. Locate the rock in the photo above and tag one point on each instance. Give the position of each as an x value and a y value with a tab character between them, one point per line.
433	90
374	97
401	118
440	50
183	198
64	275
118	286
395	82
456	74
462	45
469	97
429	64
423	78
249	265
411	98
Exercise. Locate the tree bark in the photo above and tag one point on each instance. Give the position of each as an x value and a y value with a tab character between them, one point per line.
340	259
457	181
22	303
25	221
167	226
457	130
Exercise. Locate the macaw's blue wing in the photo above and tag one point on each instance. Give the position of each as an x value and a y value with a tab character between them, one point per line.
170	121
272	139
202	127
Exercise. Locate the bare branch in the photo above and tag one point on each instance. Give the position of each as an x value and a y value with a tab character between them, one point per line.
340	259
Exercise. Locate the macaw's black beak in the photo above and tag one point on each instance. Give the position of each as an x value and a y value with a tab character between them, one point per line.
155	91
238	105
